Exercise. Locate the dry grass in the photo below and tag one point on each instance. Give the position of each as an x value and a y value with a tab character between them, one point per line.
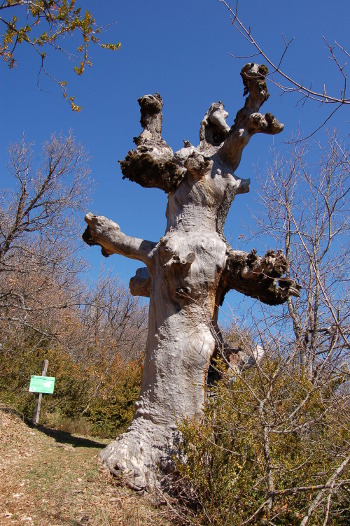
53	478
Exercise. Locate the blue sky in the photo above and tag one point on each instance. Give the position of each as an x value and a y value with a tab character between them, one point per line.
180	49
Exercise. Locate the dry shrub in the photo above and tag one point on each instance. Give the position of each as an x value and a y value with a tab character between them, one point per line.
271	448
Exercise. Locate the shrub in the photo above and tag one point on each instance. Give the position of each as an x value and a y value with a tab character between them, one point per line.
97	397
112	408
270	446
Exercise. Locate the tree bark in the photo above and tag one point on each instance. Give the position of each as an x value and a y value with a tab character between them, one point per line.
188	272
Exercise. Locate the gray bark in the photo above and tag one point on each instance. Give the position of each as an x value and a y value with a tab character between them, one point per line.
188	272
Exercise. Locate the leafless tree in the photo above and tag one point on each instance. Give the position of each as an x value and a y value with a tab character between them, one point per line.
47	197
38	225
279	431
39	263
306	208
44	302
113	321
273	444
306	363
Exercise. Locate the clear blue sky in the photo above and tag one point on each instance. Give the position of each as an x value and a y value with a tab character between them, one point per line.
180	49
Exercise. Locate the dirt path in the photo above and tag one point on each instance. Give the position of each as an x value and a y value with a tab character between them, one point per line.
52	478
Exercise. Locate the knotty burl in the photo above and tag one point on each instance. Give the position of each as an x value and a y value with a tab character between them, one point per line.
188	271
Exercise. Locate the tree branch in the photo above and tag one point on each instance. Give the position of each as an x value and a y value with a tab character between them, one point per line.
140	284
327	487
248	121
296	86
152	164
259	277
106	233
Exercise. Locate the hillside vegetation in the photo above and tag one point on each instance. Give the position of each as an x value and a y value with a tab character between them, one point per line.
273	445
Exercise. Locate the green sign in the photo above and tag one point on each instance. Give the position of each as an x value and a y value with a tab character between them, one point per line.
42	384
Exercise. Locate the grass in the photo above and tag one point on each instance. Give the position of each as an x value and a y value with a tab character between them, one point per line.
53	478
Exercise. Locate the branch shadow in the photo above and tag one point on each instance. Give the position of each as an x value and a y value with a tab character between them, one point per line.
63	437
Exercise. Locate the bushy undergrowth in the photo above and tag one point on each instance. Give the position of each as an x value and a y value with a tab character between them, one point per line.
96	398
270	448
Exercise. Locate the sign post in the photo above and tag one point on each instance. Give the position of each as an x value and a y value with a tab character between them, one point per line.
41	384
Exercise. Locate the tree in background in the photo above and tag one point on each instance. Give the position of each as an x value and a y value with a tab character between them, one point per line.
89	333
46	24
110	313
306	210
38	225
273	446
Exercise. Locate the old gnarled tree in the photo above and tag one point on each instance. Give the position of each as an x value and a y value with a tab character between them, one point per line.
188	272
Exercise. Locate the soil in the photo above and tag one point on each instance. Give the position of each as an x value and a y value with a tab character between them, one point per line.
54	478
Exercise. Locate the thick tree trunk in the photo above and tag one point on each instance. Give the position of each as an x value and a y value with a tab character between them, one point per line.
188	272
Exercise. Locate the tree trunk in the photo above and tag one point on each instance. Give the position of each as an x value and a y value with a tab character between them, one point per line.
188	272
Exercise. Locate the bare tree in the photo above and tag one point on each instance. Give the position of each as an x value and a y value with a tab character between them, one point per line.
273	444
46	199
188	271
39	255
38	225
304	208
48	310
113	321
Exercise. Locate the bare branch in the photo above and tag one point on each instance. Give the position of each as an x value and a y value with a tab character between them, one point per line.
293	86
328	487
104	232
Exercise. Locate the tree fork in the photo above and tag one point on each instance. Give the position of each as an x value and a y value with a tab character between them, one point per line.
188	271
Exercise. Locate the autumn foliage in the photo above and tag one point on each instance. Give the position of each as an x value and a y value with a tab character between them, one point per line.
45	26
92	334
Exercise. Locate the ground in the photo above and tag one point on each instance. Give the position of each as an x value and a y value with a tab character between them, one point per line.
53	478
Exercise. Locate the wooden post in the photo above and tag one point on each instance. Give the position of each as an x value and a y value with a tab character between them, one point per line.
38	404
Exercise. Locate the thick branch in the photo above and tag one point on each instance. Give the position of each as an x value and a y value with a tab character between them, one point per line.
248	121
140	284
259	277
106	233
152	164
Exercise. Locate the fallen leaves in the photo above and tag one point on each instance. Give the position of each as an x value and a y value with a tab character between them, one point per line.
44	482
